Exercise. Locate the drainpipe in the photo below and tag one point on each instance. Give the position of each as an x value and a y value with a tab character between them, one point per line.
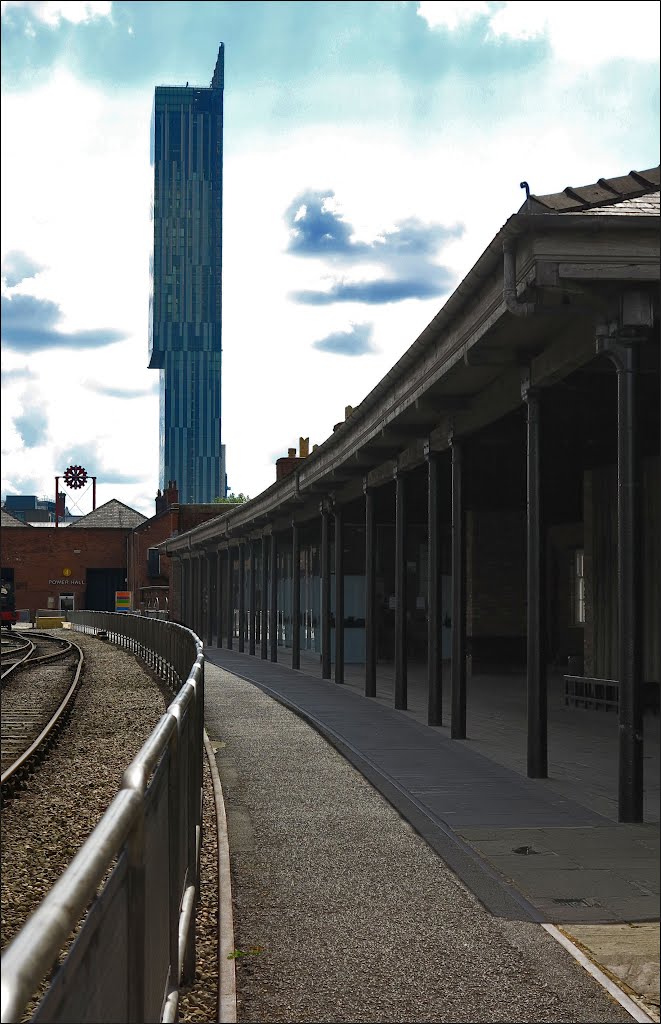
509	282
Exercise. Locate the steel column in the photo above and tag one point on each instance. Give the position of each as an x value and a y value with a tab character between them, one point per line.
263	620
296	596
195	602
458	726
253	596
434	607
189	620
400	594
208	638
219	597
211	599
325	594
339	597
370	592
242	597
535	645
273	603
629	590
230	600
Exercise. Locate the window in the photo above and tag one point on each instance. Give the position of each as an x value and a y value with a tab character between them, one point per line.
153	562
578	589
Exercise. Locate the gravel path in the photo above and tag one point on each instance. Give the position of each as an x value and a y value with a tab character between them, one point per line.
343	913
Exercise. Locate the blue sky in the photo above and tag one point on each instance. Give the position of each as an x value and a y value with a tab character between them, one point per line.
372	150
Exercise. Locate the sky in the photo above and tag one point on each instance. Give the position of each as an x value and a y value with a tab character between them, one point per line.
371	152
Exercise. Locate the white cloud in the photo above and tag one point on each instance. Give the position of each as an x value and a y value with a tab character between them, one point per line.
451	15
575	35
51	13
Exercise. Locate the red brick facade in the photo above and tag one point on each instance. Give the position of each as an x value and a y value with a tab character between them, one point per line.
48	562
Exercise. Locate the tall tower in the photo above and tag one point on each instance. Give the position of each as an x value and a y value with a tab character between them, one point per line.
186	300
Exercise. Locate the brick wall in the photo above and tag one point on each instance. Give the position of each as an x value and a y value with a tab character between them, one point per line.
39	558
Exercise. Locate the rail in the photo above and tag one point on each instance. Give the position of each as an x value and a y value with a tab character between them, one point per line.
30	755
136	945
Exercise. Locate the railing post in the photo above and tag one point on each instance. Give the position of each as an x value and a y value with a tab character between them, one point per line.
136	920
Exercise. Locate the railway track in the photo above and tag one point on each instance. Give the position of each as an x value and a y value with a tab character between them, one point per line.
40	679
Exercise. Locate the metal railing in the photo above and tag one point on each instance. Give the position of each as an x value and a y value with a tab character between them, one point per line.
136	945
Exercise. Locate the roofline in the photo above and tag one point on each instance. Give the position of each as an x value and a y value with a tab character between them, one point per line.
518	225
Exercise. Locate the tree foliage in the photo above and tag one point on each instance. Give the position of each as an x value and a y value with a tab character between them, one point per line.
232	499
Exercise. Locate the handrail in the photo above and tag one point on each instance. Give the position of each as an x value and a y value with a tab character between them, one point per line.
176	745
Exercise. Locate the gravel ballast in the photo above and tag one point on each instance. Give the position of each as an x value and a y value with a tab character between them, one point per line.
118	705
343	913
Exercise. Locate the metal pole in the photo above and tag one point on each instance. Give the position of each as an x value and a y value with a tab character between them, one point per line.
370	592
401	680
339	596
535	657
93	493
219	597
57	502
296	595
230	599
434	609
242	597
325	594
208	576
273	609
629	589
253	594
264	607
458	726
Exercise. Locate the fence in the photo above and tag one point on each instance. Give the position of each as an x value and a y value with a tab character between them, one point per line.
136	945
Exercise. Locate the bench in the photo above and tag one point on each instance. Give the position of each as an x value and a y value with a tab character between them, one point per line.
586	692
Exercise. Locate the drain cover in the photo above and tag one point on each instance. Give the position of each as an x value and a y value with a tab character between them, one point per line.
576	902
525	851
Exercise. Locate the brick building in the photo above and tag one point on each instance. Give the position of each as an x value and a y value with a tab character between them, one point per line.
83	564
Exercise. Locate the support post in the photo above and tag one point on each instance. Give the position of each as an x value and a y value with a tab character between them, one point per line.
325	593
263	638
535	645
370	591
458	726
242	597
623	352
339	596
401	681
296	596
629	590
230	599
211	598
208	618
219	597
434	608
253	597
273	603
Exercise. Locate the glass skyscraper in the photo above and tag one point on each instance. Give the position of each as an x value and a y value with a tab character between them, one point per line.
185	300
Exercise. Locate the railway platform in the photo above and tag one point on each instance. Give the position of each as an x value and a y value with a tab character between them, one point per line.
546	852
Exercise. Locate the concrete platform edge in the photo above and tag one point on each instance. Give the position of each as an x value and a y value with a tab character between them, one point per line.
593	969
226	966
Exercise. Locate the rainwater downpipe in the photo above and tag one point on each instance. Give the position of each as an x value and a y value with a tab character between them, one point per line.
509	282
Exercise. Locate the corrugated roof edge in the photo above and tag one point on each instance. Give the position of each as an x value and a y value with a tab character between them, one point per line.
603	192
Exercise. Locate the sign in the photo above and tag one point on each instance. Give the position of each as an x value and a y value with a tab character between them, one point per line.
122	600
66	572
66	582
